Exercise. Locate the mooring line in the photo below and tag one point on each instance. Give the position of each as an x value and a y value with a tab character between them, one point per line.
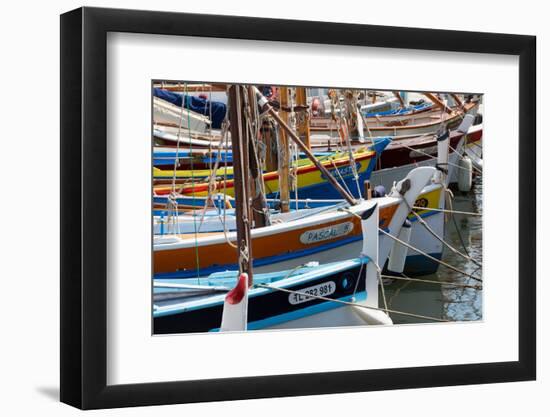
349	303
468	213
445	264
435	235
473	167
431	156
428	281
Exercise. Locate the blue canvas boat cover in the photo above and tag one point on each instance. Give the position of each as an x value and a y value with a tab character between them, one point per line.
197	104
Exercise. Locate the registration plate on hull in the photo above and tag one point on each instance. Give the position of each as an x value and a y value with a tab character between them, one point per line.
307	294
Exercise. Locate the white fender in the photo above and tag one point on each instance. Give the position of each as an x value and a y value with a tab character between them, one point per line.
235	307
465	174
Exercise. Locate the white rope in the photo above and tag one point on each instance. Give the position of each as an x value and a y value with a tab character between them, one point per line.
473	167
350	303
351	160
468	213
445	264
340	176
428	281
427	154
434	234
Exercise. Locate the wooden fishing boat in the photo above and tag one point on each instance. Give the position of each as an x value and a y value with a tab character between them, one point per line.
283	299
277	301
404	153
171	115
407	110
388	114
210	219
437	117
311	182
400	157
329	236
168	176
191	217
186	158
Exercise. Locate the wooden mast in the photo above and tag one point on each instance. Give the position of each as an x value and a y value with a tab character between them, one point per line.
257	198
458	100
284	154
398	96
240	176
434	99
191	88
266	107
303	116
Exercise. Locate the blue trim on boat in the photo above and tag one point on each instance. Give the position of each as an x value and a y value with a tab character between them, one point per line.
301	313
261	261
288	280
402	111
416	265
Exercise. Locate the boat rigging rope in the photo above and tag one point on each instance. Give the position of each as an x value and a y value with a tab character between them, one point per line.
439	238
365	124
468	213
340	175
380	283
212	180
254	135
293	172
378	278
350	303
351	159
176	160
428	281
426	154
196	234
449	195
470	149
473	167
224	220
445	264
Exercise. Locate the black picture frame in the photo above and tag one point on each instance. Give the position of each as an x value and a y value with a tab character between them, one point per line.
84	207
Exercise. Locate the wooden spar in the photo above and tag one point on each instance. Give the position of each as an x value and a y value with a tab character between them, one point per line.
257	203
303	116
396	94
192	87
435	100
240	178
458	100
284	153
266	107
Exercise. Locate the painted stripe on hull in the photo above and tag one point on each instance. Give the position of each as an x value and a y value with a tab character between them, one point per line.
222	254
271	308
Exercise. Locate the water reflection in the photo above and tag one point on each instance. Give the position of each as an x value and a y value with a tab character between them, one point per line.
446	302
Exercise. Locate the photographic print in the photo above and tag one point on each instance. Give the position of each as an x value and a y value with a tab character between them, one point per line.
291	207
313	208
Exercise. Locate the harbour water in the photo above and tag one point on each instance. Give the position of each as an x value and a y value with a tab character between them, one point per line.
447	302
